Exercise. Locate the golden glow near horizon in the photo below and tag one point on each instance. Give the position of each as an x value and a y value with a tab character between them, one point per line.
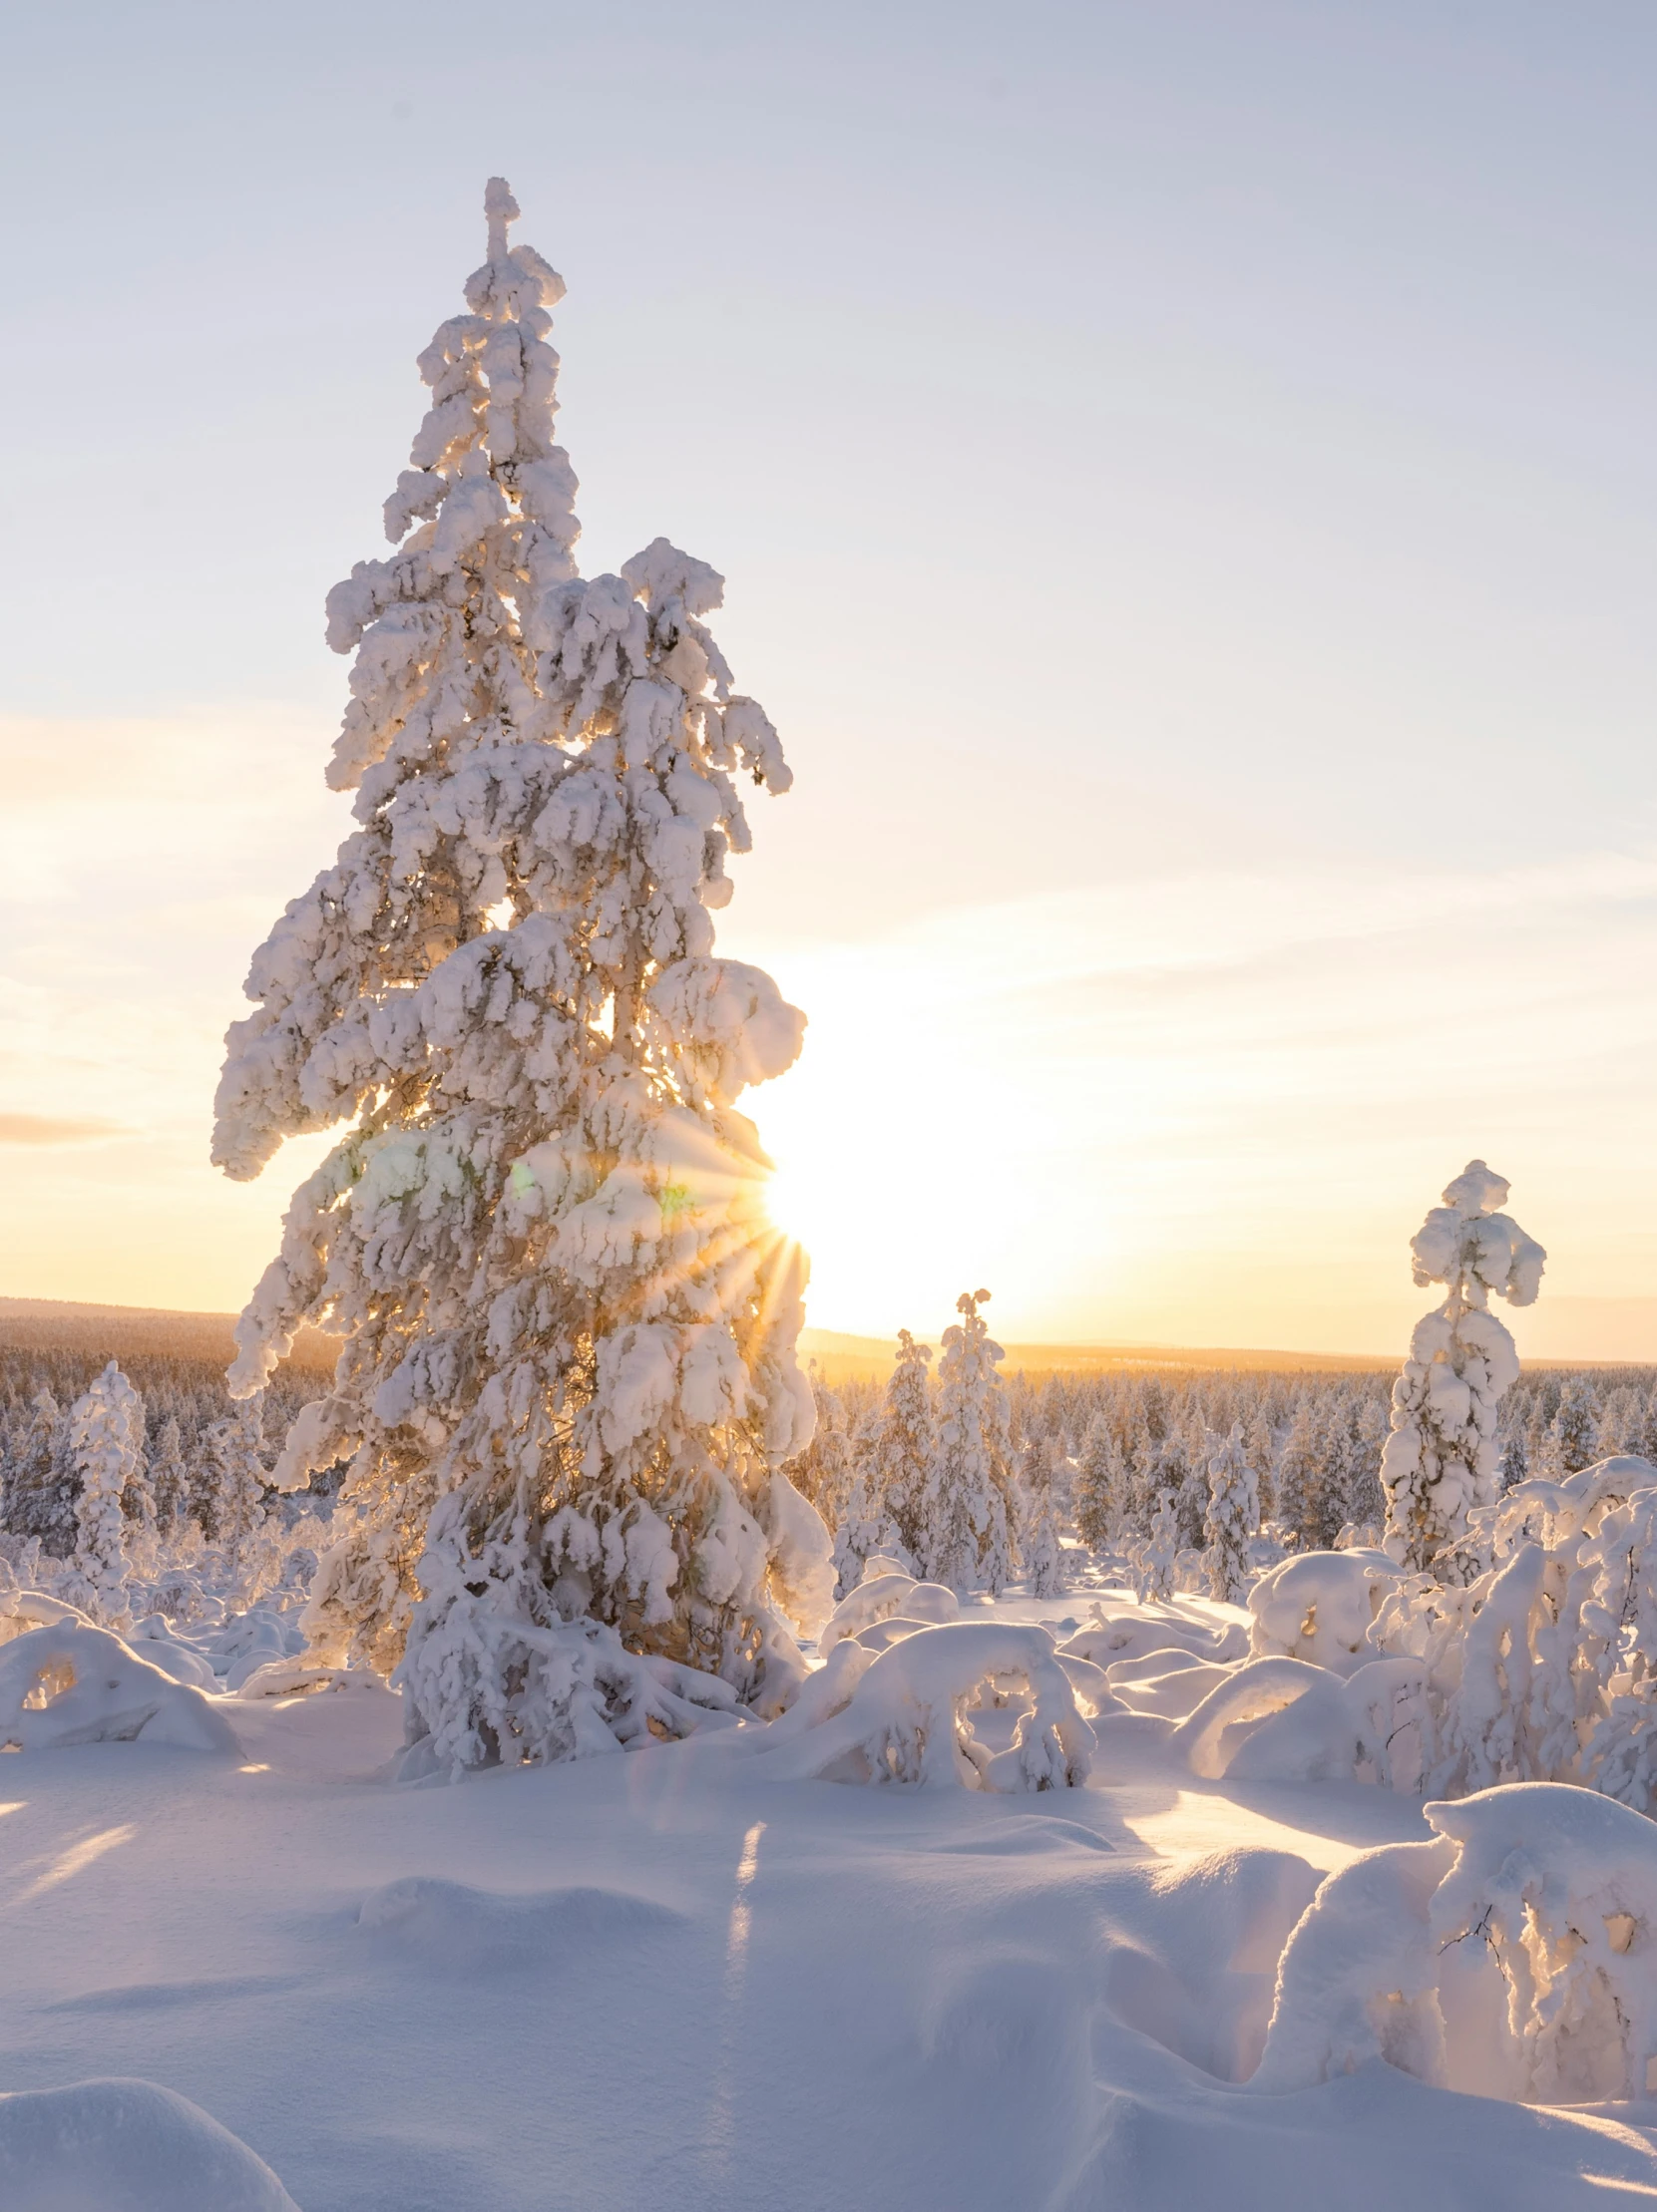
1189	1109
1203	1109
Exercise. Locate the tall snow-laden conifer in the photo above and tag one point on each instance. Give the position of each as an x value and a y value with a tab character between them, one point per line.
568	1381
106	1430
1439	1459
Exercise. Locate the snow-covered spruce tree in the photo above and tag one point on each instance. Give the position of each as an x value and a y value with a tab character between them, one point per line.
970	1467
905	1444
864	1531
240	1478
1156	1556
1234	1516
1044	1555
1100	1486
1440	1460
568	1381
43	1485
106	1430
1576	1426
826	1471
168	1477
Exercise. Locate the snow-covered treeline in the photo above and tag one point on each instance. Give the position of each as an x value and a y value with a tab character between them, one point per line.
1097	1453
183	1403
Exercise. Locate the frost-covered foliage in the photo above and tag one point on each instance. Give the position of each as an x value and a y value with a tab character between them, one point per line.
1439	1462
1542	1669
1511	1955
568	1378
1233	1517
107	1438
966	1528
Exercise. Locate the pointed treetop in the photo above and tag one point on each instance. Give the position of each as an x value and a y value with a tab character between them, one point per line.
501	209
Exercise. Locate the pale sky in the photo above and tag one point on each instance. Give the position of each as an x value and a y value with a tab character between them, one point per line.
1184	477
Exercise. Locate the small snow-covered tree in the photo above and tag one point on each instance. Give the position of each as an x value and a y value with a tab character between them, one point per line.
43	1485
1100	1485
1440	1460
1576	1426
568	1381
1044	1553
1156	1556
970	1469
1298	1485
826	1471
1232	1517
107	1440
864	1532
169	1476
905	1444
235	1447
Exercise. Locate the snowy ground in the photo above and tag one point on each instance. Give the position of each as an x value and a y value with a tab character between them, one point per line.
657	1978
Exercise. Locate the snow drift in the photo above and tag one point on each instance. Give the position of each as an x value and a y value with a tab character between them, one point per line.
65	1684
126	2146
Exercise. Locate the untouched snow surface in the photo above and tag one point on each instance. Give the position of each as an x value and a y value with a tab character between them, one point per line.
670	1978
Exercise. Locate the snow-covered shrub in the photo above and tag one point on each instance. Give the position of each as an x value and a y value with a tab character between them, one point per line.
907	1716
1440	1460
1320	1607
107	1440
568	1382
1234	1516
1514	1954
1283	1720
66	1685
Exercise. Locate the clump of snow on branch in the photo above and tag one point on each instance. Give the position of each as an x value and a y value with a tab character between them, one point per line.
568	1383
1439	1461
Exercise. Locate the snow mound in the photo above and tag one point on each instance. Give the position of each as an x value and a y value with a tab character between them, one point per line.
912	1713
888	1597
1286	1720
126	2146
1512	1955
1203	1988
63	1685
154	1639
1131	1631
23	1609
455	1929
1318	1606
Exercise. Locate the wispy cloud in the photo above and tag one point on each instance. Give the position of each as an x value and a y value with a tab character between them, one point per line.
54	1129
